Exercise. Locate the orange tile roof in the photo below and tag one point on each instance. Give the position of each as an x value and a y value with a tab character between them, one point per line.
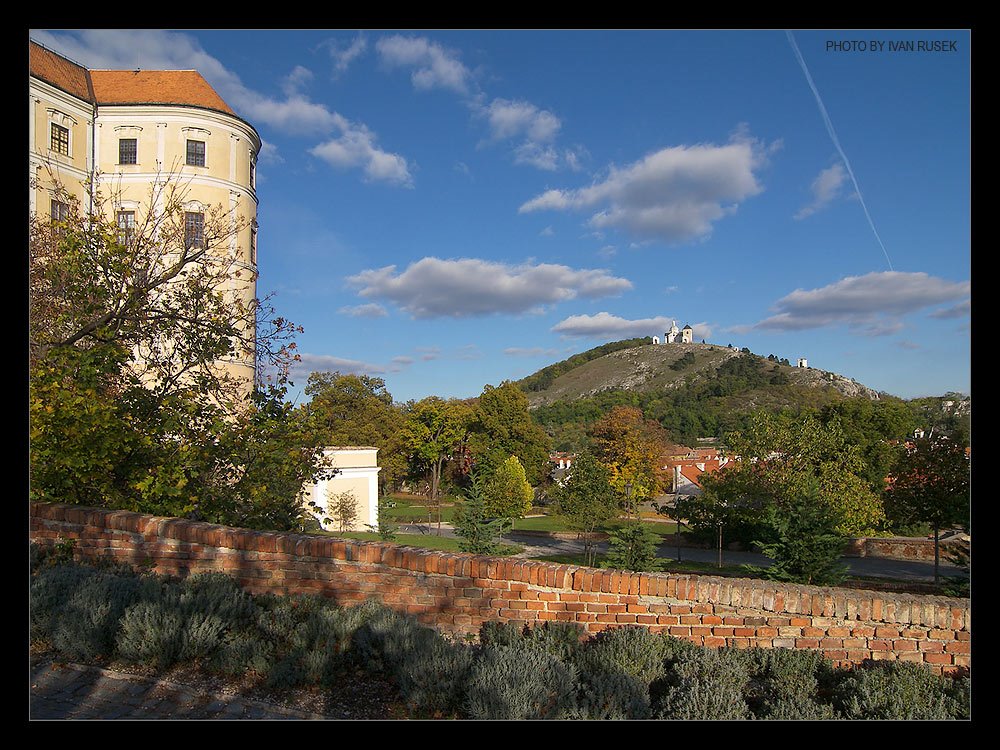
60	72
181	87
185	87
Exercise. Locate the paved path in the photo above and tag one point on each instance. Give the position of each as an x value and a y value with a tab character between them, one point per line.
72	691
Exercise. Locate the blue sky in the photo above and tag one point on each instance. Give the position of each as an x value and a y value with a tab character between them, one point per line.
448	209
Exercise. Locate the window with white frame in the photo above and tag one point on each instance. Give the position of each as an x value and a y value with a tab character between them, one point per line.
128	151
59	139
194	229
195	153
126	225
59	211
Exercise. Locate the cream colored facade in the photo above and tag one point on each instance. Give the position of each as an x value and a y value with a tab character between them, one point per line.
133	131
357	473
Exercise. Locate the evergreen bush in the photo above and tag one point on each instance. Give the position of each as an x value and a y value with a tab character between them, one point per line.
631	650
520	683
900	690
706	684
613	695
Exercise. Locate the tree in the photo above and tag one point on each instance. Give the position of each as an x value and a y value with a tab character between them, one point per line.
633	547
587	500
131	402
434	430
359	410
507	493
930	484
343	508
779	458
502	426
473	524
632	449
807	549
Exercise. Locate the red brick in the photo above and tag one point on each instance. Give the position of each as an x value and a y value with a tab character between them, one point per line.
937	646
885	632
880	645
838	632
722	631
941	635
646	619
958	647
800	621
679	630
625	618
712	620
831	643
931	658
563	597
807	643
863	631
901	645
744	632
714	641
963	636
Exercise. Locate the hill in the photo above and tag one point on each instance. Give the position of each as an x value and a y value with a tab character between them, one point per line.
693	390
644	367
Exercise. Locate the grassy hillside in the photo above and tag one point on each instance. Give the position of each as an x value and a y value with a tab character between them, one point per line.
693	390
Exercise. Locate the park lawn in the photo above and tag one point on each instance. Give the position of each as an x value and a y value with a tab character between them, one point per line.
410	509
423	541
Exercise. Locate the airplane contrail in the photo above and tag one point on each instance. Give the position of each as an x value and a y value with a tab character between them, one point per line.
836	143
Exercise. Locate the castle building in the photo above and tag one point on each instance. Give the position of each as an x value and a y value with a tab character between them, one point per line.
130	131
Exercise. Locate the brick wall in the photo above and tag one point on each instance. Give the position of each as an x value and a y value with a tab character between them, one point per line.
458	592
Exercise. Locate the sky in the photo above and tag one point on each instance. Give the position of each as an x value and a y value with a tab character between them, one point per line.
450	209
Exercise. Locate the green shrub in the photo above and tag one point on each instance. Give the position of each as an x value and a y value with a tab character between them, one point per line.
88	621
706	684
560	639
386	638
613	695
631	650
50	589
900	690
520	683
432	678
152	632
784	683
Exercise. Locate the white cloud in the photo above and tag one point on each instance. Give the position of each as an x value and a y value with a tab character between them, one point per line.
356	147
674	194
908	345
535	128
269	153
547	232
607	251
428	353
956	311
605	325
433	66
326	363
825	189
870	303
509	119
467	287
296	80
344	53
370	310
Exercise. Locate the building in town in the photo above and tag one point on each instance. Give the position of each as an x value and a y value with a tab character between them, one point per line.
357	474
115	138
